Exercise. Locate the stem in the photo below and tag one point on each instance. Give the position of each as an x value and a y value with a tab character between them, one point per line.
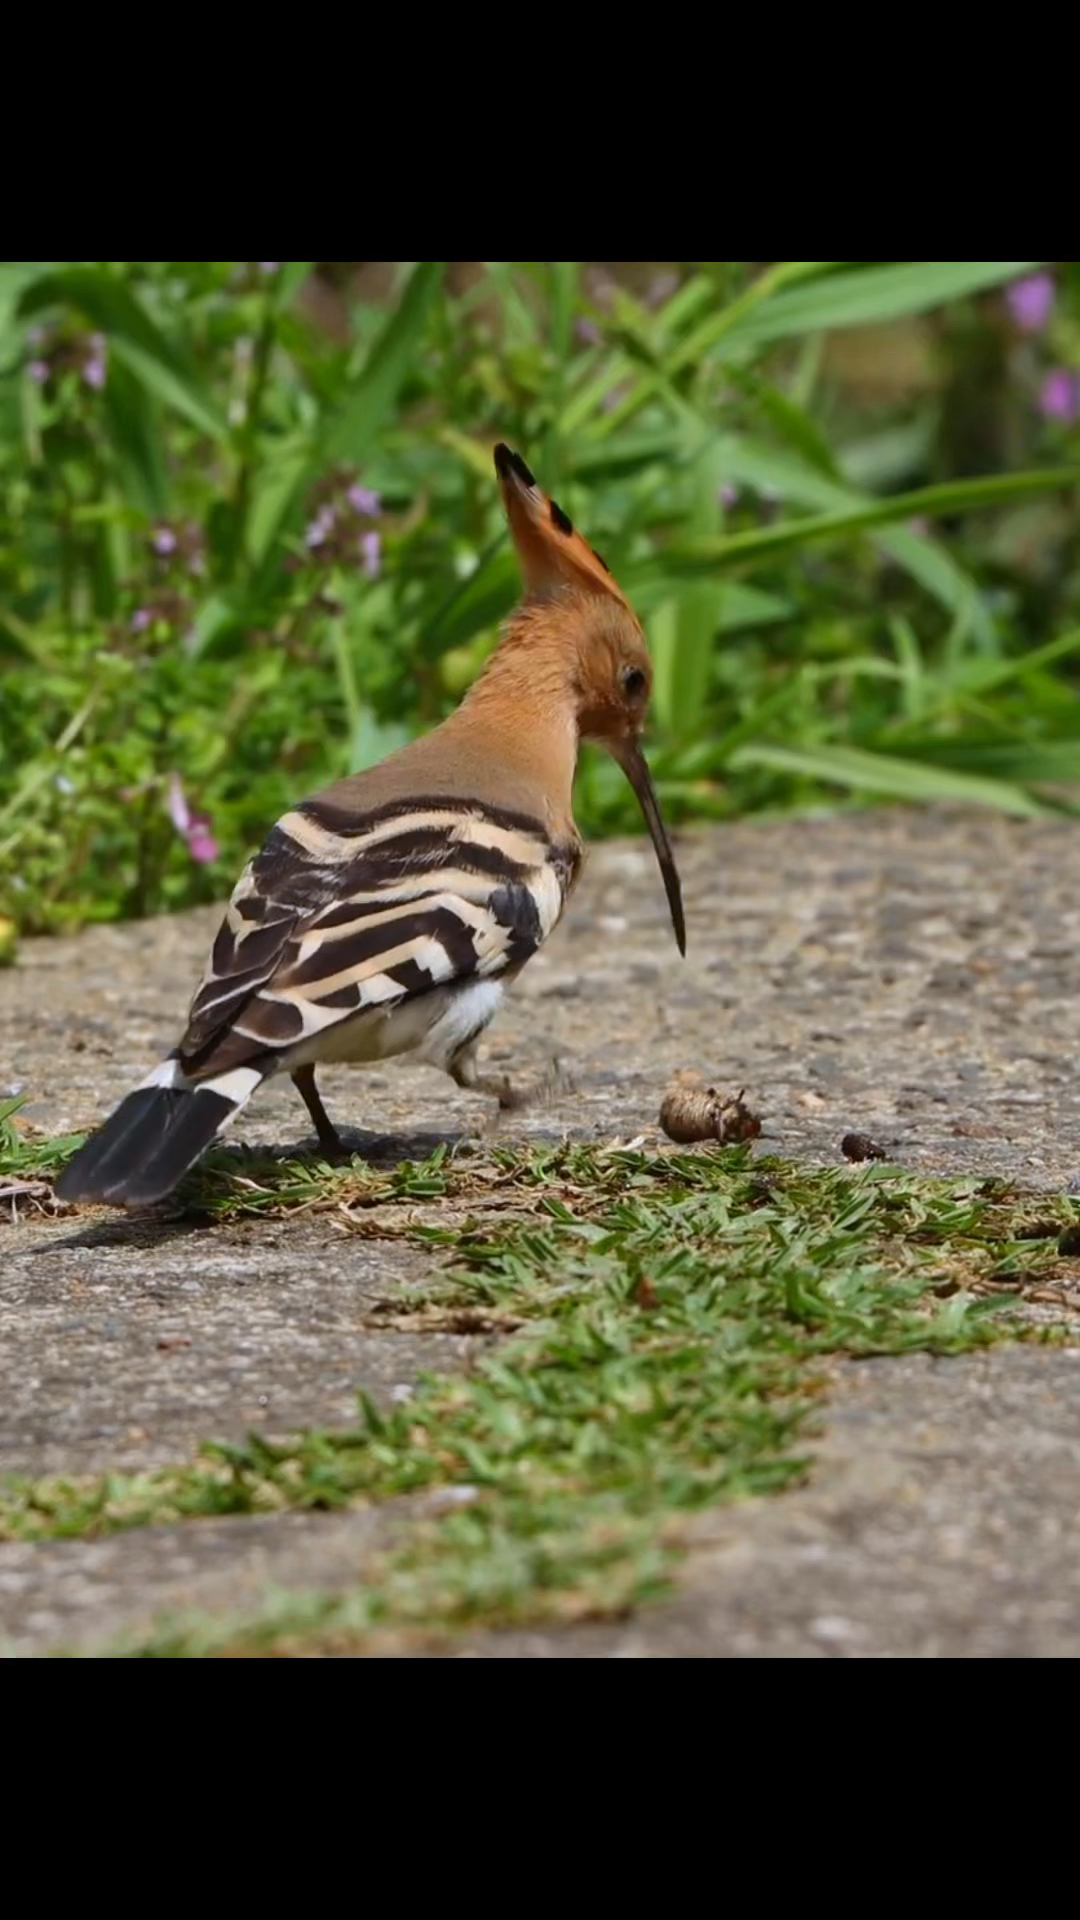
247	433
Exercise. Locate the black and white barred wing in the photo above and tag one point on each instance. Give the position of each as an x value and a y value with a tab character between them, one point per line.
337	916
338	922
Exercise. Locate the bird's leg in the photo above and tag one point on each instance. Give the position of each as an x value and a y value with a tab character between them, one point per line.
463	1070
303	1079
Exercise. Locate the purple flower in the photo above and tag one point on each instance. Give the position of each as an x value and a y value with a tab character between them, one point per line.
727	494
163	541
587	332
1059	395
179	812
269	266
195	827
93	371
371	550
141	619
38	371
364	499
321	527
201	843
1031	301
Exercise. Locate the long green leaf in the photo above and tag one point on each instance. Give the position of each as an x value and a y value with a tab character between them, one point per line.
871	295
800	297
738	605
290	280
349	435
928	562
16	276
884	774
1030	762
699	607
688	559
276	483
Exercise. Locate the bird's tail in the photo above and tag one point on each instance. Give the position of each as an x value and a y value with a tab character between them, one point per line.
155	1135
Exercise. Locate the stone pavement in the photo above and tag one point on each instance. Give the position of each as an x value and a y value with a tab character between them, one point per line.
908	974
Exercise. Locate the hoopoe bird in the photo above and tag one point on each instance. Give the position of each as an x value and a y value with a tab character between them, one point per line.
386	914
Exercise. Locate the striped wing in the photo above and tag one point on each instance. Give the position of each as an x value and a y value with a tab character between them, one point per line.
339	914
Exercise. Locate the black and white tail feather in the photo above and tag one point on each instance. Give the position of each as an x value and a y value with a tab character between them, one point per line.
349	937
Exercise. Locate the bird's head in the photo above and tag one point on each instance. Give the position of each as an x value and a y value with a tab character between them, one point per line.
573	599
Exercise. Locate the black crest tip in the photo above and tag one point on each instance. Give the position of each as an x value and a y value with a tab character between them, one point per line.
508	463
562	520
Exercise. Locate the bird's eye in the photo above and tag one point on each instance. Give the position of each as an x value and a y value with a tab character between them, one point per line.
634	682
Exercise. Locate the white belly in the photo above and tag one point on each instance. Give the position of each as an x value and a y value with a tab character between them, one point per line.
433	1025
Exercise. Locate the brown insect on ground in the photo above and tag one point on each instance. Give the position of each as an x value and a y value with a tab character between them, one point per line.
691	1113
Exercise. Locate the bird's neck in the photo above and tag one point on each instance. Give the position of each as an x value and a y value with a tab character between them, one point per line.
520	718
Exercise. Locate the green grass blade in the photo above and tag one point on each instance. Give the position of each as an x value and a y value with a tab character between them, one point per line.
887	775
870	295
350	433
752	464
689	559
134	428
290	280
1025	762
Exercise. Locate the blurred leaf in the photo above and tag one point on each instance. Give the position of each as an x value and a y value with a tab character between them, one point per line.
685	559
613	459
481	600
684	655
476	457
879	773
792	423
135	431
872	294
1028	762
15	277
988	676
351	431
276	484
373	739
563	278
19	640
290	280
880	462
111	306
216	617
928	562
738	606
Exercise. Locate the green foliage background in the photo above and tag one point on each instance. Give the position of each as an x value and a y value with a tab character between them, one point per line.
850	590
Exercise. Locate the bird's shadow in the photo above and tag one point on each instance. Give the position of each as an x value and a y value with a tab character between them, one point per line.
188	1211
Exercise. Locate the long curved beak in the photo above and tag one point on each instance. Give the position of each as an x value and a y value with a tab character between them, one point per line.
633	763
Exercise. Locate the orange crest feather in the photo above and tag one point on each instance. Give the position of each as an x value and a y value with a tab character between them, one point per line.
551	552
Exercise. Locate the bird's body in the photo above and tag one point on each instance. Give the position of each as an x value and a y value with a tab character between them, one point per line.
387	913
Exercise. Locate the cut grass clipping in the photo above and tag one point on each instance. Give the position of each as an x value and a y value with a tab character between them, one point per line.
669	1317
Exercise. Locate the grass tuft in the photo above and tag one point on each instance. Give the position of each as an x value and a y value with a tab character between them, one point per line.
674	1318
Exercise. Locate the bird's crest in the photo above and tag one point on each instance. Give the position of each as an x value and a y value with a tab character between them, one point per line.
551	551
